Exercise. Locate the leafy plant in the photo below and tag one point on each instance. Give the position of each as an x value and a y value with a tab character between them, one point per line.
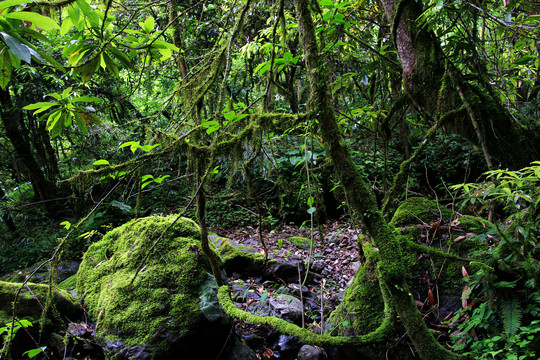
9	334
502	320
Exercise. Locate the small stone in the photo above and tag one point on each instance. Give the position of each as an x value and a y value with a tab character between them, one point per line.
308	352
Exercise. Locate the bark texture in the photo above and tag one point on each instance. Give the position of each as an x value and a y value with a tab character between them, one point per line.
438	87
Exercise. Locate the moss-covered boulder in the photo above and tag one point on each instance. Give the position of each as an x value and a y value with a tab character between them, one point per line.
30	304
238	259
170	308
417	210
301	242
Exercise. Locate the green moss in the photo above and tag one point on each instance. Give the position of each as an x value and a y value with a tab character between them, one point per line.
230	253
416	210
303	334
30	301
301	242
362	309
163	298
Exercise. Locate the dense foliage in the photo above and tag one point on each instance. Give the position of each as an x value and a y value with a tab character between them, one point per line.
117	110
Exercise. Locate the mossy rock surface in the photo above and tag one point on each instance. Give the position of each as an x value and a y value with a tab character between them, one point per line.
237	258
301	242
170	308
416	210
30	302
32	298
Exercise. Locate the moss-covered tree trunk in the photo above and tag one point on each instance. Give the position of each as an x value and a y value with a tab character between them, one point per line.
438	88
362	201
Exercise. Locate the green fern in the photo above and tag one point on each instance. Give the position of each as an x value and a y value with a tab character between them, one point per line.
512	314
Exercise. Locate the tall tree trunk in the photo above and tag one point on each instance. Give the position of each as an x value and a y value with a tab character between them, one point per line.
11	116
362	201
437	87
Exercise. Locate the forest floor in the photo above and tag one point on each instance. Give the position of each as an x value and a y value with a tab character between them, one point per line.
334	260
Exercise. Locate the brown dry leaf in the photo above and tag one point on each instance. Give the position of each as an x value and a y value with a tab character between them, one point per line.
430	298
464	272
465	295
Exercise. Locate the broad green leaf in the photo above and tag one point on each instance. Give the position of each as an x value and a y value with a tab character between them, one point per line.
88	70
129	143
164	44
212	129
25	323
527	59
147	148
229	115
80	121
65	224
148	25
40	21
17	48
146	184
159	180
87	99
91	14
53	120
67	24
311	210
209	123
102	61
5	68
146	177
66	92
123	58
40	106
100	162
120	205
74	13
8	3
111	66
165	54
342	4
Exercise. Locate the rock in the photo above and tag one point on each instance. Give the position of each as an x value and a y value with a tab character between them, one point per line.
285	269
171	308
286	347
296	289
241	351
66	268
240	260
300	241
286	307
416	210
29	306
308	352
317	266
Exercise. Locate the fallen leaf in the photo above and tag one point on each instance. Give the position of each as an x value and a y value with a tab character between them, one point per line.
464	272
465	296
430	298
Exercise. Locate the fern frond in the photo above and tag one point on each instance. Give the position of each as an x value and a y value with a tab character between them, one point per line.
512	314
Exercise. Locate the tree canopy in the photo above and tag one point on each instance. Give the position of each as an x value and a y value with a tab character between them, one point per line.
309	109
